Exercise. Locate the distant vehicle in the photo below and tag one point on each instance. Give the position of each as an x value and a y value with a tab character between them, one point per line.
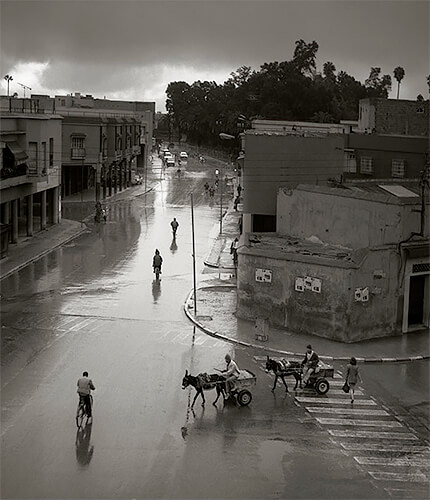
137	179
170	161
183	155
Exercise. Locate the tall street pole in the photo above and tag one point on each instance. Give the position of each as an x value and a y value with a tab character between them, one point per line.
194	255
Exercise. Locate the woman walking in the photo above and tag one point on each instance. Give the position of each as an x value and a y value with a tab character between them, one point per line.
352	376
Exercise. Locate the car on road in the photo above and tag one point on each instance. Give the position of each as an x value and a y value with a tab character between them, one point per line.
170	161
183	155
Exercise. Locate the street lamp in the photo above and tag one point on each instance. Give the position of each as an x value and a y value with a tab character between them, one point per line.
8	78
220	183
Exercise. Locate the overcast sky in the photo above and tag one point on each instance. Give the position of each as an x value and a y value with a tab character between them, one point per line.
133	49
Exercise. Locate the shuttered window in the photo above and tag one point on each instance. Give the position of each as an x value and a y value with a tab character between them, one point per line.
398	168
366	165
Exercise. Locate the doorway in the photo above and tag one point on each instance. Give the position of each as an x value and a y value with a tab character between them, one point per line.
416	300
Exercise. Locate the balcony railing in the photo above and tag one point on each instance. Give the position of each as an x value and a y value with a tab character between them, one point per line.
7	172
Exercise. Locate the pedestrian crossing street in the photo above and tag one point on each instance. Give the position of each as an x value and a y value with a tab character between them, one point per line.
381	445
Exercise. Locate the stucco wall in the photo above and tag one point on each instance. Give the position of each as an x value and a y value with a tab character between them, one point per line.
334	313
273	161
343	220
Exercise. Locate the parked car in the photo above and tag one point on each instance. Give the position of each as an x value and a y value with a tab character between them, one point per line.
137	179
183	155
170	161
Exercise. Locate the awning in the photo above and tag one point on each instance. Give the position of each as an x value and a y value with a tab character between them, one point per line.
16	150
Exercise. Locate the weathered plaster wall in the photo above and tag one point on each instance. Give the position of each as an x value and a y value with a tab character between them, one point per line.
343	220
334	313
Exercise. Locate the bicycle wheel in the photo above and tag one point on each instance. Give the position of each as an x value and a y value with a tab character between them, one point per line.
80	413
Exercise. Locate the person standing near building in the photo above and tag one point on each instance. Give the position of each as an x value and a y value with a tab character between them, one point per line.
352	376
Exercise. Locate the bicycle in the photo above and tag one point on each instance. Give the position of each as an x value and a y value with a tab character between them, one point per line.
81	412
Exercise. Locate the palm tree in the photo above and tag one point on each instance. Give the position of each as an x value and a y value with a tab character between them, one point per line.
399	73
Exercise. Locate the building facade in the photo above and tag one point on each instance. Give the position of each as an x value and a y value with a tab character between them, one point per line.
394	117
30	171
347	263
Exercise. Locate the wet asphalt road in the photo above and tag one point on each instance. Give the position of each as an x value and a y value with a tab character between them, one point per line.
94	305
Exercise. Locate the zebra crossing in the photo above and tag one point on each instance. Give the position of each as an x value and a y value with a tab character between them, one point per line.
391	453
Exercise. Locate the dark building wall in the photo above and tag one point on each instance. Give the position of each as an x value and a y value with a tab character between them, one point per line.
383	150
274	161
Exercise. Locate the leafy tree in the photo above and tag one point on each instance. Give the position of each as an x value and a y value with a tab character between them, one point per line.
399	74
329	71
377	85
304	57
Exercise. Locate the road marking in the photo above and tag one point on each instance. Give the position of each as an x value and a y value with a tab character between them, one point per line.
342	393
417	492
374	435
348	411
364	423
386	447
407	462
316	399
81	325
395	476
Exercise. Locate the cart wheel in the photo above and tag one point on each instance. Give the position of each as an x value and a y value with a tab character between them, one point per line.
322	386
244	397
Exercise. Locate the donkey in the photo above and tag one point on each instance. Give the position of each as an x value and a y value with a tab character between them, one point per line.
205	382
284	369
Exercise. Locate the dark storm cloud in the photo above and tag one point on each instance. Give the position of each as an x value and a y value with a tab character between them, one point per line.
87	41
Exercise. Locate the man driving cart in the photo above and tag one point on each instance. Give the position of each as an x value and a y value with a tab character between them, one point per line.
309	363
231	373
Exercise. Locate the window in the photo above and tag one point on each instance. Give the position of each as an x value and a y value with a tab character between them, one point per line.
366	165
398	168
78	147
44	158
33	157
349	163
51	151
420	110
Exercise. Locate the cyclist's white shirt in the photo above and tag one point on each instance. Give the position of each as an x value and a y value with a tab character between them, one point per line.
85	385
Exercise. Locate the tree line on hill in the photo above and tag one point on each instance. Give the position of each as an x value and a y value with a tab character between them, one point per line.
288	90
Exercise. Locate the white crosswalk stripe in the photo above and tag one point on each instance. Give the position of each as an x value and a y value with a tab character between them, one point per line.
333	401
373	434
348	411
405	462
367	432
386	447
364	423
396	476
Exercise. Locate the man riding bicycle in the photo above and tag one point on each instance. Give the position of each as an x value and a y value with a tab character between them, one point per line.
175	225
157	260
85	385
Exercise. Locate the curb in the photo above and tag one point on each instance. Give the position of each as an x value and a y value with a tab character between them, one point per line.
42	254
217	335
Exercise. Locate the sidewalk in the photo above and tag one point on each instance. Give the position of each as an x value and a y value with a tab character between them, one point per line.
34	247
216	306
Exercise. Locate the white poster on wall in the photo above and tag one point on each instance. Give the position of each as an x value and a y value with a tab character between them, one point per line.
263	275
299	285
316	285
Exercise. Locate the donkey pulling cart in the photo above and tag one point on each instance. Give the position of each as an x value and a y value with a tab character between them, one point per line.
204	382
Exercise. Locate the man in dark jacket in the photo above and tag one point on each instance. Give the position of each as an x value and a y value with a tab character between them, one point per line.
309	363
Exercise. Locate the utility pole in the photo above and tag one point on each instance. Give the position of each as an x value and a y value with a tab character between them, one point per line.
194	256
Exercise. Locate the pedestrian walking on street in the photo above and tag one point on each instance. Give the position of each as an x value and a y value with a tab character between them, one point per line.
236	202
352	376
